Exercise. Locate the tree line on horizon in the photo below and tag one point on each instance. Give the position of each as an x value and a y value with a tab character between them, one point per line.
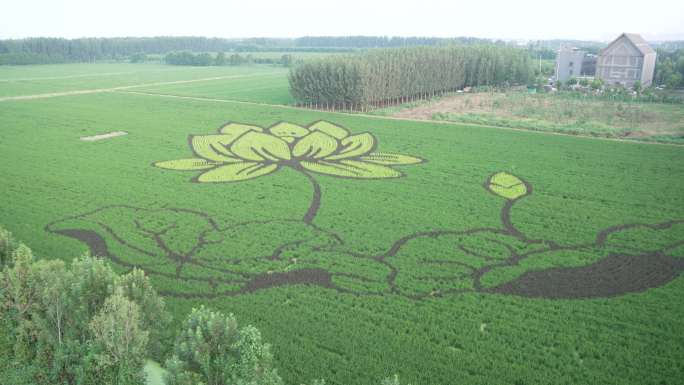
388	76
186	58
47	50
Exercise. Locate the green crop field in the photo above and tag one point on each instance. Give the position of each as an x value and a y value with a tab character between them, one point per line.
269	87
39	79
360	246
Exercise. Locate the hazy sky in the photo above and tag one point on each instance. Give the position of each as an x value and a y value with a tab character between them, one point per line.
514	19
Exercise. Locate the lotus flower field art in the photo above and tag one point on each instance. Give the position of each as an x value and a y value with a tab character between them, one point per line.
200	254
242	151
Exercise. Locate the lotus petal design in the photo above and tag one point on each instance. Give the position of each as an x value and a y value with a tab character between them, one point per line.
242	151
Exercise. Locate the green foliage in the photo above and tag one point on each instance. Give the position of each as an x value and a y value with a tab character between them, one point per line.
596	84
136	287
185	58
77	325
396	74
138	58
119	343
57	50
220	59
7	246
394	380
286	60
212	350
669	70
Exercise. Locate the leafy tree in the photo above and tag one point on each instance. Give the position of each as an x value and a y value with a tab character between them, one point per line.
379	77
212	350
20	292
7	247
286	60
675	80
138	58
74	324
136	286
669	70
235	59
118	344
220	59
596	84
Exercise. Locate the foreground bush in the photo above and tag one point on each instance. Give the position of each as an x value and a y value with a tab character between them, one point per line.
212	350
7	247
81	324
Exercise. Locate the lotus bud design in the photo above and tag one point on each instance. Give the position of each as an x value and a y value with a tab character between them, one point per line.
507	186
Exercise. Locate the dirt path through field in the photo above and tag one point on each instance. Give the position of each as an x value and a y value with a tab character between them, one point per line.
120	88
103	74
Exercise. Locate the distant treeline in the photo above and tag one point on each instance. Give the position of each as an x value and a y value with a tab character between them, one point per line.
384	41
57	50
385	76
221	59
44	50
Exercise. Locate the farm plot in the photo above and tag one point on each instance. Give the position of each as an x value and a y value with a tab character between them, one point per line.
363	247
269	88
31	80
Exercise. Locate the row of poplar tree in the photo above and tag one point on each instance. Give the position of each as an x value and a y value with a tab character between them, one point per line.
388	76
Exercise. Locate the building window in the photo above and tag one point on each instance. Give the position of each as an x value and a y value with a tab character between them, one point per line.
618	73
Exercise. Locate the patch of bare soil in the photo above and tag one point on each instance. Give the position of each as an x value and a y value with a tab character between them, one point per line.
103	136
474	103
609	277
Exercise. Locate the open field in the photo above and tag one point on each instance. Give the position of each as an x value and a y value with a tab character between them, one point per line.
446	253
264	88
38	79
554	113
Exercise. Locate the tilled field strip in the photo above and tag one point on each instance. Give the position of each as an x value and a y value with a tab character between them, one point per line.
120	88
387	117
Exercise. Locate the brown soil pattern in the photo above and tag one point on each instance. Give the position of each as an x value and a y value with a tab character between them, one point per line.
614	275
